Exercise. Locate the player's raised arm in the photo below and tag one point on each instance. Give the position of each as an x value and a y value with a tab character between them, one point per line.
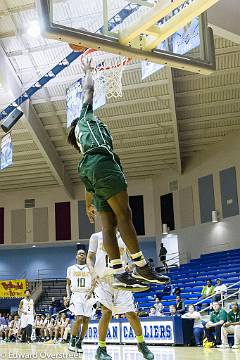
88	85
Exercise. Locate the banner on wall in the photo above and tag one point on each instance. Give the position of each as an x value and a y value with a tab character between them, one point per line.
12	288
6	151
186	39
74	100
154	332
148	68
113	334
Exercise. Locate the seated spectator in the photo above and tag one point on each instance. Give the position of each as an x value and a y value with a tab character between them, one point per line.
158	306
180	305
232	326
3	327
53	306
48	327
58	324
64	324
207	290
173	310
14	329
152	312
213	327
198	330
176	291
151	262
37	326
220	290
168	289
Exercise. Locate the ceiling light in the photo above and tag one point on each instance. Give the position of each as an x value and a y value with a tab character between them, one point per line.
34	29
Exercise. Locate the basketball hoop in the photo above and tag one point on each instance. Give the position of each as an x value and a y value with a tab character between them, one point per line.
107	71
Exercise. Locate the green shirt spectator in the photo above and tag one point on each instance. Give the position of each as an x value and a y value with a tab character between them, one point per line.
231	327
233	317
217	316
214	325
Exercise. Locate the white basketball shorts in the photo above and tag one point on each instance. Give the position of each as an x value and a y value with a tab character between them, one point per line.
118	301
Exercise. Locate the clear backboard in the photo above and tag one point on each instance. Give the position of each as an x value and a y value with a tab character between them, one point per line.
167	32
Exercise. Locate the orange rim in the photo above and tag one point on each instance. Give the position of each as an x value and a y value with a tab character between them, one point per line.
101	68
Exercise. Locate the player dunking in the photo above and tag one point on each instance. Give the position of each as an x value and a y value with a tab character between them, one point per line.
106	188
78	286
26	312
113	301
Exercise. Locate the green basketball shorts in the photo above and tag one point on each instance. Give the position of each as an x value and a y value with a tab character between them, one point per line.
103	177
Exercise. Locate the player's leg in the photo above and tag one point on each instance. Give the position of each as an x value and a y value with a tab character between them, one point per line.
109	223
136	325
62	328
29	332
74	332
102	334
119	203
56	330
109	226
85	321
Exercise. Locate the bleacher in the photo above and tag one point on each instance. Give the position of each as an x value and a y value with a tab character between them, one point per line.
192	277
51	288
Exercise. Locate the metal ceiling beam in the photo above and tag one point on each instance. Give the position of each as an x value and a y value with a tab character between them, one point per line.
175	121
35	127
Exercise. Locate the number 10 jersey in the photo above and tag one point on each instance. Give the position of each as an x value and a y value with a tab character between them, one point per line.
80	278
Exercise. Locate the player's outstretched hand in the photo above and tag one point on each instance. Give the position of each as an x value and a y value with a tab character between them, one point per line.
87	65
91	213
66	302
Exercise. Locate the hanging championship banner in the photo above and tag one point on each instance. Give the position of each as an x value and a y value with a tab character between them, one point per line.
99	99
12	288
74	97
187	38
74	101
6	151
148	68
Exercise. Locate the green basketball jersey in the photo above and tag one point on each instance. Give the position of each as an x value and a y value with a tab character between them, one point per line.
91	134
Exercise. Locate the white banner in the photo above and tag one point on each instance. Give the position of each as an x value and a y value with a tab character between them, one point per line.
6	151
99	99
186	39
113	334
74	101
148	68
155	332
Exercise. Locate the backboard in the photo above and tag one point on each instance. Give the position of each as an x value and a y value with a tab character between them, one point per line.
168	32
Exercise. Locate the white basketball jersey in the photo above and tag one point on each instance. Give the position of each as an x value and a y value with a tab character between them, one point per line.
102	263
80	278
28	306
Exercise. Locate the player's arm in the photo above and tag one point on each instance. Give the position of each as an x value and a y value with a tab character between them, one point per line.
88	85
90	262
90	209
68	291
20	311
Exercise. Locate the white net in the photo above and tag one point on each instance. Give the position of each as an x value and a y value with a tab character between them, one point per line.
108	73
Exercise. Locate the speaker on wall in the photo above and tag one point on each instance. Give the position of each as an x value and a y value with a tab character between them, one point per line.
11	120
